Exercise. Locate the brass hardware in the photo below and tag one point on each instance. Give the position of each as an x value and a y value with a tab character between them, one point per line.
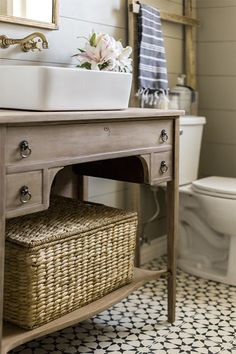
25	194
25	150
28	43
164	136
164	167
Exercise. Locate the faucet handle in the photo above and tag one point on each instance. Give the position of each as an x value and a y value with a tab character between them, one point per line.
38	45
32	45
45	44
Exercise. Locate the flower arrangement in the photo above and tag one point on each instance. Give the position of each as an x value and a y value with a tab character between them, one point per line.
103	52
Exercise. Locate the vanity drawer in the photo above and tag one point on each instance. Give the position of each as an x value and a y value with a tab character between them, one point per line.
24	192
161	166
28	145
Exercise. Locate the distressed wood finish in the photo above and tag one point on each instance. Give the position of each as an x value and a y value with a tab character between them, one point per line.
129	149
2	218
132	40
33	180
39	183
14	336
172	226
141	169
63	141
182	20
39	118
134	7
190	51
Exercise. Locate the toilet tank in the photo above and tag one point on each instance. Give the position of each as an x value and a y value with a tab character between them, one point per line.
191	128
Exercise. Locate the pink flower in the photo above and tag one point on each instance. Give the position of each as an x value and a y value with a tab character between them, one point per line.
103	52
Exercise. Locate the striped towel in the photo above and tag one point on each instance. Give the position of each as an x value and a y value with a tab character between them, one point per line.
152	77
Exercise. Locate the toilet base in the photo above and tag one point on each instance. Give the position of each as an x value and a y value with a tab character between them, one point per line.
207	242
196	269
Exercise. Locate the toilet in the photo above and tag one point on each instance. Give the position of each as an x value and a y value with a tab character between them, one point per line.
207	234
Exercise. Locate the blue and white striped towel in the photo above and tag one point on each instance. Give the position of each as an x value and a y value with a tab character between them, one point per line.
152	77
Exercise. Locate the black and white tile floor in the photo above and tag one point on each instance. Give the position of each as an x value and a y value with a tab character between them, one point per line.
206	323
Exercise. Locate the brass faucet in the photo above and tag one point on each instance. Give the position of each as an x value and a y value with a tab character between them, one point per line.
28	43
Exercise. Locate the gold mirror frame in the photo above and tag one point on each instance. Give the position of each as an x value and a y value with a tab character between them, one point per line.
33	23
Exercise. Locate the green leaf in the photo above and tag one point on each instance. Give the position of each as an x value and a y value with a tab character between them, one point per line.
92	40
103	65
86	65
77	54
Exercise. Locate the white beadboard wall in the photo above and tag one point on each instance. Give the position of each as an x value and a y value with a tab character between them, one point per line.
217	85
78	18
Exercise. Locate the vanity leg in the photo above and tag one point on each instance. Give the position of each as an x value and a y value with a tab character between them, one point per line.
172	226
171	250
2	223
2	233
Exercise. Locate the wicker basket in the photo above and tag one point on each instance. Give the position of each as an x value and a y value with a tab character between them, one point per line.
64	258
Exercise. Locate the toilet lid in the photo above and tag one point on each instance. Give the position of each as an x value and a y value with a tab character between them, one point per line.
222	187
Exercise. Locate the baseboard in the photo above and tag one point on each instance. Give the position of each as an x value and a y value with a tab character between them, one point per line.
155	249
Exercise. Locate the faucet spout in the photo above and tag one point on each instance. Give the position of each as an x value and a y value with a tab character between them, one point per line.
27	43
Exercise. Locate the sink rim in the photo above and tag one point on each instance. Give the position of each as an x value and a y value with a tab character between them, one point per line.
49	67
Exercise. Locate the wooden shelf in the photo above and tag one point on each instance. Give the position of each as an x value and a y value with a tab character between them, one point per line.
167	16
14	336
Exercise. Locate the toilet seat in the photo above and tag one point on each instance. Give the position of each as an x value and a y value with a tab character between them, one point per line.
221	187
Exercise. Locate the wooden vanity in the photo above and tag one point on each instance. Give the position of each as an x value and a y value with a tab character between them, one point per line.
135	145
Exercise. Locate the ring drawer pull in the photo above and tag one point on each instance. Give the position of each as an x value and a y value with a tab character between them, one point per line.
164	167
164	135
25	150
25	194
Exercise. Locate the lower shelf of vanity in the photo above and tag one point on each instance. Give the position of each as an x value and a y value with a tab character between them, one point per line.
14	336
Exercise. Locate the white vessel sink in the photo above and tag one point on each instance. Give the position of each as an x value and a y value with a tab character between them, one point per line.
44	88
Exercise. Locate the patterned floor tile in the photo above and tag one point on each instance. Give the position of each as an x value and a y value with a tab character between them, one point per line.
206	323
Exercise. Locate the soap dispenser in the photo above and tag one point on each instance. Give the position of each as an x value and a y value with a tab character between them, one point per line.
184	94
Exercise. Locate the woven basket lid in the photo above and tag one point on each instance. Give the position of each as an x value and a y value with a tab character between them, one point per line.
64	218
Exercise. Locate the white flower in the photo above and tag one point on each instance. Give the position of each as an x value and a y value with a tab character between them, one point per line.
124	59
103	52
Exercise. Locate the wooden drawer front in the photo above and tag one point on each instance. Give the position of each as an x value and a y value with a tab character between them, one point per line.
48	143
161	166
32	180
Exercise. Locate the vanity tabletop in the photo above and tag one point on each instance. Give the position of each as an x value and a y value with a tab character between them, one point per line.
19	116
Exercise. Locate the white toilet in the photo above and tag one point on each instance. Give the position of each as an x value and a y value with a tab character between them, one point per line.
207	241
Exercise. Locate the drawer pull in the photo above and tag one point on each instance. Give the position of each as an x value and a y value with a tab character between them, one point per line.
164	167
25	194
164	136
25	150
